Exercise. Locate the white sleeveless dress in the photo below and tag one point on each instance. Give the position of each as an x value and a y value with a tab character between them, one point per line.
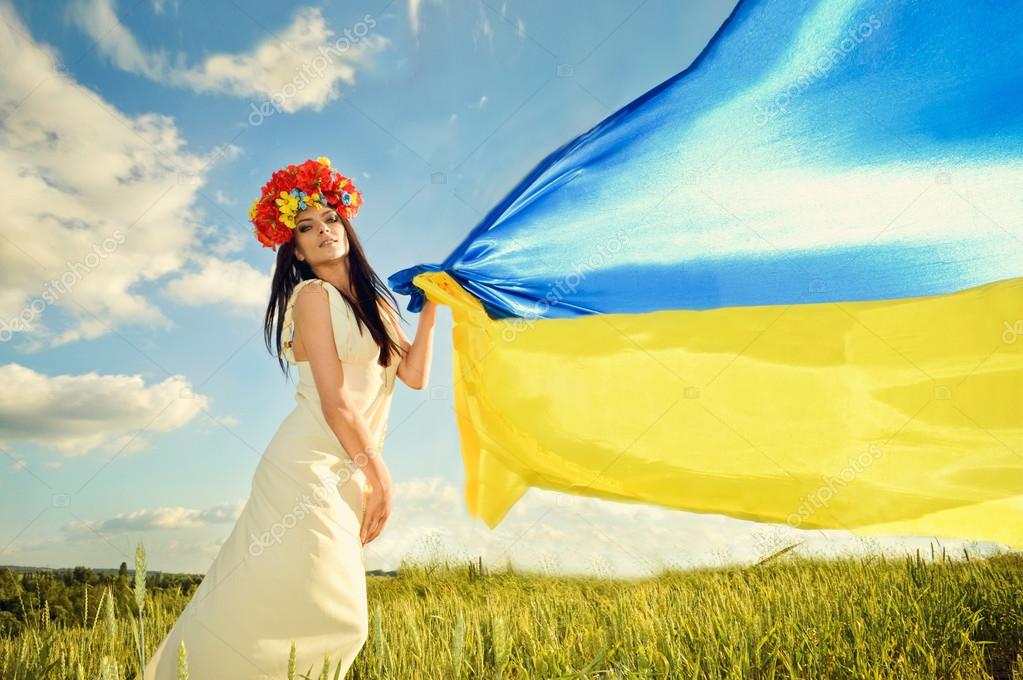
293	567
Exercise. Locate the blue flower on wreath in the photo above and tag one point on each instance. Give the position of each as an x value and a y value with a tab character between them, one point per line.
303	198
346	198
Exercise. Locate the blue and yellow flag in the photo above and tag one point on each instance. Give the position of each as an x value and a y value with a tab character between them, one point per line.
785	285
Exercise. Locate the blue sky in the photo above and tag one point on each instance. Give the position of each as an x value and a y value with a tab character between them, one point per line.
138	392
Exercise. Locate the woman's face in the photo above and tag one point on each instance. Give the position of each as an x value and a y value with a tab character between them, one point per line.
320	236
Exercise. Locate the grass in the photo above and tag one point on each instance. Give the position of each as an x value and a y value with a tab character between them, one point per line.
790	617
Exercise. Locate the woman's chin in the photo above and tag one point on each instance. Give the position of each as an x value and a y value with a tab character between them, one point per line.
329	254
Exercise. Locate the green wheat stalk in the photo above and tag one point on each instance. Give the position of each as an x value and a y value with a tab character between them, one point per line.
140	600
458	645
111	619
182	662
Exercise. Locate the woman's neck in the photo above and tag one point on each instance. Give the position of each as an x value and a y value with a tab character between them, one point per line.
337	273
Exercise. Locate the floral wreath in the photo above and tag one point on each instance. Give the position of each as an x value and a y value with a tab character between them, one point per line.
295	188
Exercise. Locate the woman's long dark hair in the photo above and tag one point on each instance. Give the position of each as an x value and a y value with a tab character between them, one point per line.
368	288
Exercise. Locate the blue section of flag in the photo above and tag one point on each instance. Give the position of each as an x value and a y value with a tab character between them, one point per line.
827	150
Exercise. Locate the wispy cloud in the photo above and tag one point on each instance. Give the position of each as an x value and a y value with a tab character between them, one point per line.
483	29
413	14
161	519
307	45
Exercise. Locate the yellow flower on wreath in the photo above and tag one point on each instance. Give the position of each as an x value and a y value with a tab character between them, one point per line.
288	206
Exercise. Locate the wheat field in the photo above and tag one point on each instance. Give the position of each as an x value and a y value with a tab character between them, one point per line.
789	617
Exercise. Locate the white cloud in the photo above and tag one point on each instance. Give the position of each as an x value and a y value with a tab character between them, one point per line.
226	421
98	18
159	6
301	66
105	201
545	532
234	283
413	14
162	518
126	444
483	28
222	242
563	533
75	414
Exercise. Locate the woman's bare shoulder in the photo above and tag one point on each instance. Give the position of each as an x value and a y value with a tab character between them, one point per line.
313	298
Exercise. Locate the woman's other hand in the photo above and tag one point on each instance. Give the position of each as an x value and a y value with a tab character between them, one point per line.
378	498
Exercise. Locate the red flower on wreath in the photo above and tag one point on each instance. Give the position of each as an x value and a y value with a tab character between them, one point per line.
295	188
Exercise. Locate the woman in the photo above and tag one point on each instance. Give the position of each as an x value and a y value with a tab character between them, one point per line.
293	567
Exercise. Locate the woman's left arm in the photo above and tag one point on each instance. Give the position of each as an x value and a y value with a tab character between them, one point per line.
414	367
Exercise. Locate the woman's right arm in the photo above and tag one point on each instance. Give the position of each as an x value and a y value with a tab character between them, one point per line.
312	316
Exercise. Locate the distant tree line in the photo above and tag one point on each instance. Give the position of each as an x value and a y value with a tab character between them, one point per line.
70	597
